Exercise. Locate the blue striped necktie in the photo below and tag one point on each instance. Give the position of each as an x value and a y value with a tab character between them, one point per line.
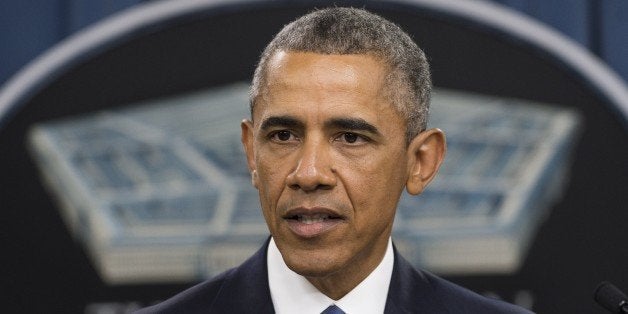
333	309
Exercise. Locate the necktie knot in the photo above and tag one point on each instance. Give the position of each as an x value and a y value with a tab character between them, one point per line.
333	309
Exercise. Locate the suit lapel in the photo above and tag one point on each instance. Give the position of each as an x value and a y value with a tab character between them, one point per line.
246	290
410	291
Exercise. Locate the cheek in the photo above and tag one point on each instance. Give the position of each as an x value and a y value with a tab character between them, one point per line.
267	196
376	170
375	184
271	183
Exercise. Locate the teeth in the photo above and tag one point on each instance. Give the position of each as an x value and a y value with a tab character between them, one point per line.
310	219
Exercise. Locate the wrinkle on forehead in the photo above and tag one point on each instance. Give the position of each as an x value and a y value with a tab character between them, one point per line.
333	72
324	83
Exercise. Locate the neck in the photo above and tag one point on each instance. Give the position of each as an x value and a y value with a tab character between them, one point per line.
339	283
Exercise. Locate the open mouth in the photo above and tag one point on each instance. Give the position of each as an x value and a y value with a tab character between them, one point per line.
310	223
312	219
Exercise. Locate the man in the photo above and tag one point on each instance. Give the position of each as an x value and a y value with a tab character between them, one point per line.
339	106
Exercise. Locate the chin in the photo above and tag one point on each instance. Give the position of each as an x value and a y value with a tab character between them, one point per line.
312	266
313	272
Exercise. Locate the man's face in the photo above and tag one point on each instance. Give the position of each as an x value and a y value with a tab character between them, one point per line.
328	155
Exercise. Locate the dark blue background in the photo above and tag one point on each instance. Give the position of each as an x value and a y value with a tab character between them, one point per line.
29	27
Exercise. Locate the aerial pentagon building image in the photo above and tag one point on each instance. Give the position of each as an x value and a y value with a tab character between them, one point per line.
138	187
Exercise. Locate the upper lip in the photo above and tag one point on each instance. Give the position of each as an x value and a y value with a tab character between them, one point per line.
305	211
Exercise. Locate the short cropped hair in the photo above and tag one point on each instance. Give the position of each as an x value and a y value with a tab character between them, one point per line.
357	31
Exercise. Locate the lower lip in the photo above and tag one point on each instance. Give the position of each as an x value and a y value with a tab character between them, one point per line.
314	229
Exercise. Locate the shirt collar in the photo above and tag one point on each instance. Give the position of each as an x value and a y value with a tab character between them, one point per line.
292	293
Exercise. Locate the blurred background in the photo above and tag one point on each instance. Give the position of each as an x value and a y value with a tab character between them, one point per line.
123	180
28	28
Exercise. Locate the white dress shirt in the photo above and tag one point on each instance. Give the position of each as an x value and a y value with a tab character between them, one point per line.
293	293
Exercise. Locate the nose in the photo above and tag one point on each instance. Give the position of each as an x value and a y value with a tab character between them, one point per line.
314	169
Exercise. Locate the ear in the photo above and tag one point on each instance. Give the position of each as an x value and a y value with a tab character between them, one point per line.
247	142
426	153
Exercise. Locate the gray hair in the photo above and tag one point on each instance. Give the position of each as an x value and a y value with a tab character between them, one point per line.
357	31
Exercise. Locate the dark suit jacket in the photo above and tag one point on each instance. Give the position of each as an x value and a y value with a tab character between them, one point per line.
245	290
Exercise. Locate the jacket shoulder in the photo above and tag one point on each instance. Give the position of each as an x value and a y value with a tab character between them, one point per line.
237	290
458	299
413	290
196	299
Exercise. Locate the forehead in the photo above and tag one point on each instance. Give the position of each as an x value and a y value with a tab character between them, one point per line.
324	83
329	69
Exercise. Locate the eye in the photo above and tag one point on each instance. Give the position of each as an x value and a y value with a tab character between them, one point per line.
351	138
282	136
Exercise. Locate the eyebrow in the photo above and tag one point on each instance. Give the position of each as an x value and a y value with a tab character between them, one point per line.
281	121
352	124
